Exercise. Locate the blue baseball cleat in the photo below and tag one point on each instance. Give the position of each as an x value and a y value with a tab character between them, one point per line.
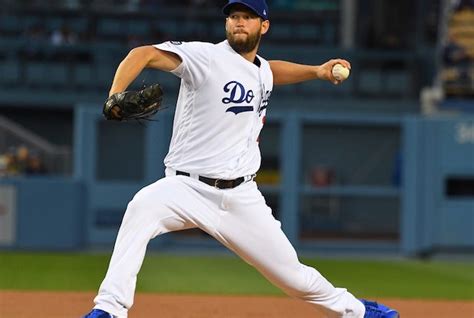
375	310
97	313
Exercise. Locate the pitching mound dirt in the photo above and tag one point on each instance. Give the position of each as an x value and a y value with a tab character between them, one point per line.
19	304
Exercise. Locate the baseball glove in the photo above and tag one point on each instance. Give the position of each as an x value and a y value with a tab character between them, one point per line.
133	104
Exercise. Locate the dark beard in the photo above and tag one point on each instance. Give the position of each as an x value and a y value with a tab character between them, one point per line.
244	47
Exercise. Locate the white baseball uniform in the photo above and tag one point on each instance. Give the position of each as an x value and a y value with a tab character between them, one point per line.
220	112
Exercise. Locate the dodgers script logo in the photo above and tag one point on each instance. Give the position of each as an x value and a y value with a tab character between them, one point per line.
264	102
238	95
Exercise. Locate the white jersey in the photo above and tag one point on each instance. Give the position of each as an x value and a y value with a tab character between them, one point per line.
220	110
219	115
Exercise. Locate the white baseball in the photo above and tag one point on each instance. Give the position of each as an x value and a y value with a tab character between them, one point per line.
340	72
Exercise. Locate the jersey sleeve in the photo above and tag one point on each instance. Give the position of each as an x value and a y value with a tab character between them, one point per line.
195	58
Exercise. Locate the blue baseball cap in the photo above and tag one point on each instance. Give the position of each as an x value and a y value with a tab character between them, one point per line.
258	6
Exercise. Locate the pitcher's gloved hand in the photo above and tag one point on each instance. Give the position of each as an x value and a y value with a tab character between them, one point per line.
133	104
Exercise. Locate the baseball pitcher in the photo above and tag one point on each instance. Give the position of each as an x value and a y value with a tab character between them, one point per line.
212	161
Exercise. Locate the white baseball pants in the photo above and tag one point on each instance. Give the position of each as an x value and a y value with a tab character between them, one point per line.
239	218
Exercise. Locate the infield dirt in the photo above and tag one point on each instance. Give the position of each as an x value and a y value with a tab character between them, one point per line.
23	304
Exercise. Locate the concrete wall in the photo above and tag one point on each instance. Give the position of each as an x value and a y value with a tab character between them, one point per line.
425	213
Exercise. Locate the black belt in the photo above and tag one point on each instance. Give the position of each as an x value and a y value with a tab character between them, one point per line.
217	183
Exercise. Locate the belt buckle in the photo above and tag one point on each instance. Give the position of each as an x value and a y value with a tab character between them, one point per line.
216	183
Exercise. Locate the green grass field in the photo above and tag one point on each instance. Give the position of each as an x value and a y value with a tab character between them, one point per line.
230	275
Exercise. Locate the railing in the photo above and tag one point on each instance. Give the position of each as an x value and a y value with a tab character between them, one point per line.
452	89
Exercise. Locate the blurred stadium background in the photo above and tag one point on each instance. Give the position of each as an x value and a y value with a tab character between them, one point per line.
381	164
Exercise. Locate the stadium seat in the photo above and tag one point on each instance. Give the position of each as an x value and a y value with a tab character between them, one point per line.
10	70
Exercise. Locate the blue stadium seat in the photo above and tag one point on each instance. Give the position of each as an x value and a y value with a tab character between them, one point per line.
46	74
109	26
83	75
166	26
308	32
10	70
104	75
10	24
370	82
138	27
397	82
281	31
